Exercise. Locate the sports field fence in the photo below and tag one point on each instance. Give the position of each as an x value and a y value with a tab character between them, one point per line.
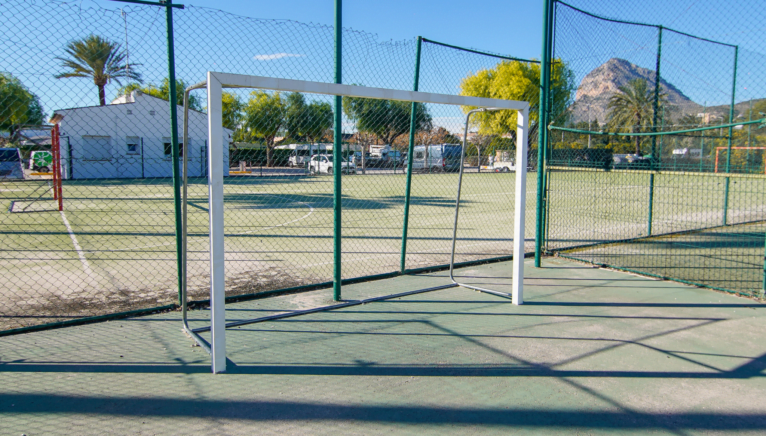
688	206
622	191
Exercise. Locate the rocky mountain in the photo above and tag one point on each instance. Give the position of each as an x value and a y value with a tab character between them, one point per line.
600	84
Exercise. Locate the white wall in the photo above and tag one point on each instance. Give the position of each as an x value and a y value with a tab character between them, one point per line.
80	125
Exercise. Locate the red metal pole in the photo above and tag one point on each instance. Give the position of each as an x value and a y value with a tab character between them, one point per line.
58	192
716	158
53	161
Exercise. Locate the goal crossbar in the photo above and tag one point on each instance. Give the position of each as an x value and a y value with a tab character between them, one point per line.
215	84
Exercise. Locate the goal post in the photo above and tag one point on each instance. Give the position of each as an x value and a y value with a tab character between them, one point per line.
520	189
215	84
719	149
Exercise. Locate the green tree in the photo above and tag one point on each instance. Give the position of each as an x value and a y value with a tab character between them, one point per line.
264	117
687	121
386	119
758	110
232	108
632	109
295	117
18	105
306	121
99	59
163	91
318	120
515	80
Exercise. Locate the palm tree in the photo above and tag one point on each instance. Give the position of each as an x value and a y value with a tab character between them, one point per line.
633	108
99	59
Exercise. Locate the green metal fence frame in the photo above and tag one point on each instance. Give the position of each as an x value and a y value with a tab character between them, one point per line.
543	121
175	149
729	141
547	38
542	206
337	281
410	152
541	228
337	144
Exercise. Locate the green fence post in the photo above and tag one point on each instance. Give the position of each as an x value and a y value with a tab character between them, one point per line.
749	141
336	147
175	152
662	127
749	118
546	190
543	126
655	110
728	148
702	137
763	288
410	151
172	97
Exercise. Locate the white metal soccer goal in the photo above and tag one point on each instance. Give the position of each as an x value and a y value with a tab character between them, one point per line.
215	84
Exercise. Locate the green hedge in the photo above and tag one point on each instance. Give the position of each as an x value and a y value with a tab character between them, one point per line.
257	156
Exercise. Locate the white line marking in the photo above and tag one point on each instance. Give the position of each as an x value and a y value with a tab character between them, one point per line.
311	211
80	254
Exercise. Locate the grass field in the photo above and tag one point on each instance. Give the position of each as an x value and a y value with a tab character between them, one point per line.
113	248
590	209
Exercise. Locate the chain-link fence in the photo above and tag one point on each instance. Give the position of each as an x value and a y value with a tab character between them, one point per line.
687	205
100	75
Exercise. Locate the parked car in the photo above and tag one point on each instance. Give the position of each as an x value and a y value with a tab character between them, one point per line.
302	153
11	166
396	158
323	164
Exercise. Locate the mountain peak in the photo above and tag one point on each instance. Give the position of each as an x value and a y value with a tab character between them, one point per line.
600	84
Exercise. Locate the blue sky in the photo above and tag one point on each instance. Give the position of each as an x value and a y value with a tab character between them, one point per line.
379	41
503	26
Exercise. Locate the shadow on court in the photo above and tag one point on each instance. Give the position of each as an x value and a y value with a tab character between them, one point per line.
591	351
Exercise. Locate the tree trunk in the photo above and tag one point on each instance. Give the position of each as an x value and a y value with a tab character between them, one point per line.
14	133
478	158
269	155
101	95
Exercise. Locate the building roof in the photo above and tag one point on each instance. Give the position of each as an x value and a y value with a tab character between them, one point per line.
120	100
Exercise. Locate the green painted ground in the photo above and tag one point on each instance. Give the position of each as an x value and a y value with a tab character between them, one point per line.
113	249
592	352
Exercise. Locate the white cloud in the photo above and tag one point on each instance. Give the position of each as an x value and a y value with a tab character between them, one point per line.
271	57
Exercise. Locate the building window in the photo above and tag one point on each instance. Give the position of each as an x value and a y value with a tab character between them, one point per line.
133	144
97	148
168	149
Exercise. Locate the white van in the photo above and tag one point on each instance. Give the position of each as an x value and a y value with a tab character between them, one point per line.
437	158
302	153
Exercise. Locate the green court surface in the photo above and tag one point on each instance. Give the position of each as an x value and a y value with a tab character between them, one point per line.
592	351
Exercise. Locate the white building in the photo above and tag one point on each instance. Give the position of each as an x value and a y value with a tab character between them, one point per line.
130	138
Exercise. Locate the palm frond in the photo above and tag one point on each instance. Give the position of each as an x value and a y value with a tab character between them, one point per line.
96	57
